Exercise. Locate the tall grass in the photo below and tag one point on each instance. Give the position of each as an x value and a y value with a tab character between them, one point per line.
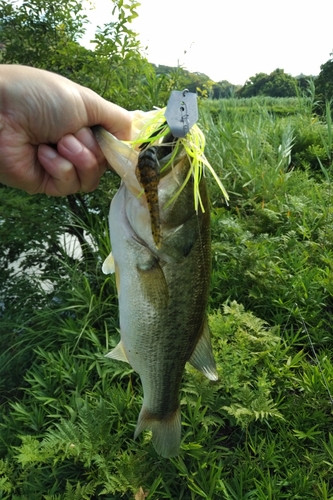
264	430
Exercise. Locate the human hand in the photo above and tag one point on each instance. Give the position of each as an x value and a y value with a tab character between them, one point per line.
46	145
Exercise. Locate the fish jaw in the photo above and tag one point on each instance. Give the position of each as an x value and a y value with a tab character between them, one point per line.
120	156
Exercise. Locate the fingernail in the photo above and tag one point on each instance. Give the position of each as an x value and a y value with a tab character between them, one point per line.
86	137
72	144
48	152
64	166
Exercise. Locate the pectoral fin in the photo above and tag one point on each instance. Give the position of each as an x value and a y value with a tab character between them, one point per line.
202	357
118	353
108	266
153	284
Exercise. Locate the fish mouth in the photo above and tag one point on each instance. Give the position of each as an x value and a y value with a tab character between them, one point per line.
165	154
168	161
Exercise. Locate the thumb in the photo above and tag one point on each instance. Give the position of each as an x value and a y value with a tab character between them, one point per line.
113	118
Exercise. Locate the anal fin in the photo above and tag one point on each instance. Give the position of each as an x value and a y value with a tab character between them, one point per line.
202	357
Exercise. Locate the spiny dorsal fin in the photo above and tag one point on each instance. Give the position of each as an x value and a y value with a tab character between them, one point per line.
202	357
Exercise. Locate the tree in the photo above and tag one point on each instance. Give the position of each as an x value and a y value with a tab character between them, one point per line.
118	66
324	82
276	84
303	82
254	85
43	34
224	89
46	35
280	84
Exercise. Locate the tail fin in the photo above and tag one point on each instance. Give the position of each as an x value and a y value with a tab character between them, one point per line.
166	432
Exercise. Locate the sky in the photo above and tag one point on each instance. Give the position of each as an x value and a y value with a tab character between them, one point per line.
231	40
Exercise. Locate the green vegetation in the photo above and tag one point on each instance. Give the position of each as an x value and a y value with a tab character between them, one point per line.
276	84
264	430
324	83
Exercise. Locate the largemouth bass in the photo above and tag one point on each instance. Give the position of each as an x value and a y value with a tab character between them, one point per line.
162	285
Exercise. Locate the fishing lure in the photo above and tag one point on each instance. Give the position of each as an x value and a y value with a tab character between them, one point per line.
149	172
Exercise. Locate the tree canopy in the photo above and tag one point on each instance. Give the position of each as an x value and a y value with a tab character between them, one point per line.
47	35
324	82
276	84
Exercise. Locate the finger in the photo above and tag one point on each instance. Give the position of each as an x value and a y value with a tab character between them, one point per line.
116	120
121	124
60	177
88	168
87	138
